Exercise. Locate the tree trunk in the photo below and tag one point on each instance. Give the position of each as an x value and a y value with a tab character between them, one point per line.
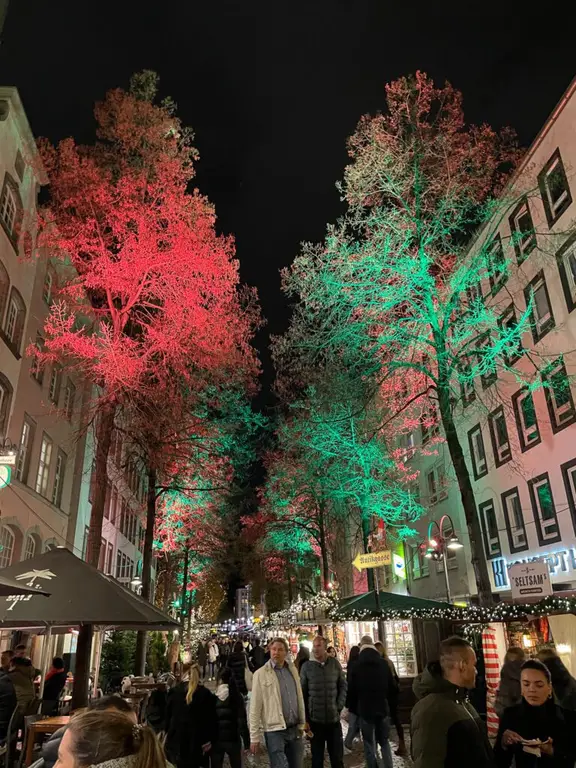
184	587
478	559
323	549
366	546
104	429
289	585
142	638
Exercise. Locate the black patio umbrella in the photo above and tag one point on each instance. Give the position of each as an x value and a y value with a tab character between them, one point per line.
11	587
78	594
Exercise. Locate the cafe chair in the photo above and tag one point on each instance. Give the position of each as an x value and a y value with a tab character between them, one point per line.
28	720
8	749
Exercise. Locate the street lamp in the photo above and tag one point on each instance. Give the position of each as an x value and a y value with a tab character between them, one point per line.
444	538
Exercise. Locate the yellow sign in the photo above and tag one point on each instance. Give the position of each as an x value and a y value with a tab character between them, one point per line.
373	560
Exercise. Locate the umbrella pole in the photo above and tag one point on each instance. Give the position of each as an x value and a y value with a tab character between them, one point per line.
45	657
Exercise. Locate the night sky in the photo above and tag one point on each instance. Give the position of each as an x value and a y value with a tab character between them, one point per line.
273	89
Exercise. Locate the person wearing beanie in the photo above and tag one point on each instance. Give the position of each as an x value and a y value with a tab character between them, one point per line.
368	689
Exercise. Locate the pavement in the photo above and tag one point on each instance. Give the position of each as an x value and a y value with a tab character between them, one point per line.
354	760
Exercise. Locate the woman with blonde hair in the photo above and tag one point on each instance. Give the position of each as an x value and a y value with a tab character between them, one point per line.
109	739
191	725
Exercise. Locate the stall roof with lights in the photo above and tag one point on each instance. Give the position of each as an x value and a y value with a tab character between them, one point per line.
391	606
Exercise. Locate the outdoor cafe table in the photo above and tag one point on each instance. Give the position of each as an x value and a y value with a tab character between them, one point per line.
44	727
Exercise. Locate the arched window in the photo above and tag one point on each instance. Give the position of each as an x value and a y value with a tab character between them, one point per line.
11	209
4	289
5	400
15	316
32	546
6	546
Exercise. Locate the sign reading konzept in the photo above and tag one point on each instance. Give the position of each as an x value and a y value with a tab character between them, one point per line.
530	580
561	566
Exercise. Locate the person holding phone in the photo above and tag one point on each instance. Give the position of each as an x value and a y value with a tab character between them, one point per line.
537	731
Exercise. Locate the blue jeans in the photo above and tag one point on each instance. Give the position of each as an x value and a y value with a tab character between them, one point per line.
373	733
285	748
353	730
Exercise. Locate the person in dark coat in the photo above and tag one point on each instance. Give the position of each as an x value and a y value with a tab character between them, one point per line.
537	719
563	683
190	727
509	694
302	657
393	697
353	721
232	723
202	657
237	663
8	704
22	675
257	655
53	686
370	681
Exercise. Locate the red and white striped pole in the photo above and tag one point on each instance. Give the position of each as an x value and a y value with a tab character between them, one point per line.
492	667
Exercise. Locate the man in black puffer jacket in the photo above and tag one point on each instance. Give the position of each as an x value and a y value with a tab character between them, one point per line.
324	691
369	685
232	723
238	663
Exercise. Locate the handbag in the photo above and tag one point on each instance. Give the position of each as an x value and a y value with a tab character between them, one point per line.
247	676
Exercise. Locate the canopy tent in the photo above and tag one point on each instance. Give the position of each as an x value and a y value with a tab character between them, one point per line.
12	587
390	605
79	594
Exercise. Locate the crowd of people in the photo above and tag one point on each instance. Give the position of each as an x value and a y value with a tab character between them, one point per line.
261	700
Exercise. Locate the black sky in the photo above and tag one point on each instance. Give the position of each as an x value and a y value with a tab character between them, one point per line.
272	90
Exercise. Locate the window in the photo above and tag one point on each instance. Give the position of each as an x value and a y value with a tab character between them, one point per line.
85	542
114	507
544	509
59	475
107	500
110	559
44	465
407	446
477	452
486	360
558	395
569	477
499	437
5	400
522	229
429	423
19	166
474	294
554	188
30	547
8	208
436	484
36	367
48	285
526	421
515	527
4	290
542	319
510	337
497	266
54	386
14	325
102	555
25	449
69	399
6	546
124	566
467	381
490	529
566	260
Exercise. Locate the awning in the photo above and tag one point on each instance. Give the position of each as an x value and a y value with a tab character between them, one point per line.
392	606
78	594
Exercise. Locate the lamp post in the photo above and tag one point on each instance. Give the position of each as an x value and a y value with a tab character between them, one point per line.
440	539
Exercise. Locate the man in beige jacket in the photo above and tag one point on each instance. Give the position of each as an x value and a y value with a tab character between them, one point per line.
277	709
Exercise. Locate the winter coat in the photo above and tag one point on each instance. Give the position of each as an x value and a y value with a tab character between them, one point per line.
324	690
213	652
50	748
266	702
156	710
7	704
236	663
231	718
548	721
258	657
446	730
349	668
202	655
508	694
369	685
563	683
23	680
54	686
189	726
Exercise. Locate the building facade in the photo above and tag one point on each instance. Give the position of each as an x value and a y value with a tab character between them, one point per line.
520	443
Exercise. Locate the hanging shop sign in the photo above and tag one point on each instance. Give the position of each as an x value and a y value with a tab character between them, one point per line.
373	560
530	580
561	566
5	475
